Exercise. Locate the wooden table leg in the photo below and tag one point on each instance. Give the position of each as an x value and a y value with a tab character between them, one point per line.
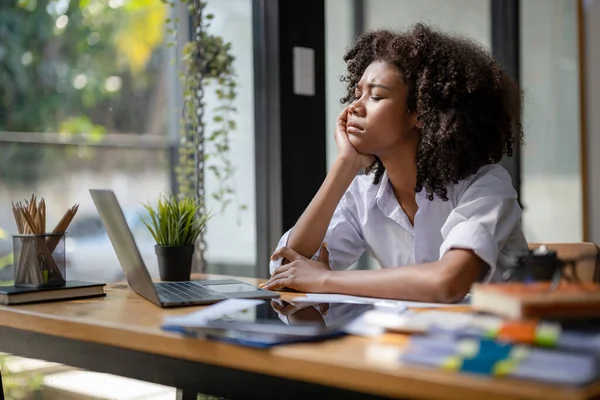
181	395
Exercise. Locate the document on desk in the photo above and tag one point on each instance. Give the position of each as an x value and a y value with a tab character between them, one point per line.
342	298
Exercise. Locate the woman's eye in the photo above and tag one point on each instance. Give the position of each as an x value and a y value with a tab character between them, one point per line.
356	97
375	98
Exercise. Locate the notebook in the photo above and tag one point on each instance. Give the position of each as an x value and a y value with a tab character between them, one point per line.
10	295
536	300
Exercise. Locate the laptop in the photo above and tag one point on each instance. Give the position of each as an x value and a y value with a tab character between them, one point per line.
163	294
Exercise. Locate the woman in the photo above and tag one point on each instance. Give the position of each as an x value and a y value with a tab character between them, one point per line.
429	117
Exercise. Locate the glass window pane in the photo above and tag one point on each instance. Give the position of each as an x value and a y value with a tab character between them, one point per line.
591	37
551	162
231	235
93	74
339	33
466	17
134	174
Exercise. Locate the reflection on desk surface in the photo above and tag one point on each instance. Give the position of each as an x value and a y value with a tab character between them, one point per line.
281	312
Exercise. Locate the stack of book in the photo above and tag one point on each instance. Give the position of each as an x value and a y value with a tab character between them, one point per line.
538	300
11	295
531	331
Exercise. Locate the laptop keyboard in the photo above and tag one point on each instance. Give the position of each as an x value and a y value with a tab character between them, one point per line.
182	291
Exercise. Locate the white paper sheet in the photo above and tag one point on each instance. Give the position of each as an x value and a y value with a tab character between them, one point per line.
418	304
359	327
342	298
198	318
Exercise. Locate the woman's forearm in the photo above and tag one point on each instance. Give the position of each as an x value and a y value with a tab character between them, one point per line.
412	282
308	233
445	281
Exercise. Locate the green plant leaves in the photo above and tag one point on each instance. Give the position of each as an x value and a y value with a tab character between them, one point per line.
175	221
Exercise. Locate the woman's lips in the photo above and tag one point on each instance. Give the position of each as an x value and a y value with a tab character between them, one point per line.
353	127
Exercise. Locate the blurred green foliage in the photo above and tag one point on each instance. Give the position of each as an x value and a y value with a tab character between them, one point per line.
18	387
75	67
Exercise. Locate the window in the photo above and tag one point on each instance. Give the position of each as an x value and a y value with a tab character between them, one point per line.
231	235
84	103
551	156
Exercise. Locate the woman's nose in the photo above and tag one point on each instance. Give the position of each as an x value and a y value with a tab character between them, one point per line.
357	108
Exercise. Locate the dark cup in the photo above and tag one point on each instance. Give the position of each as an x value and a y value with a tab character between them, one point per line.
175	262
542	268
537	265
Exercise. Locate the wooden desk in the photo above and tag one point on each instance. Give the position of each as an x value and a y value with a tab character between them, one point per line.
119	334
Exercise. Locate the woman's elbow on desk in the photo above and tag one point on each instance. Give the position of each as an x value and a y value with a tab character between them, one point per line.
458	270
451	290
447	280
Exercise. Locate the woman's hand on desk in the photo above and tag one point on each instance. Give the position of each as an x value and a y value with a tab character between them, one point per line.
301	273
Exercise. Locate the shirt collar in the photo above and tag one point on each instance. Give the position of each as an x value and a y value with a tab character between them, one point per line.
422	198
385	193
387	203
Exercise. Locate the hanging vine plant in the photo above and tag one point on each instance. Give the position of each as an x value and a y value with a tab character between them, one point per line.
207	62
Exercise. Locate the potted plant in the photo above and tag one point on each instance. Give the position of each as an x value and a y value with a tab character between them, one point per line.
175	223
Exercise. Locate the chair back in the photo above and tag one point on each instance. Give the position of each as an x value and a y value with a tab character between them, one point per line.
588	268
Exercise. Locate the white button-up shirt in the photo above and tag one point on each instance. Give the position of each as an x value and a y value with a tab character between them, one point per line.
482	214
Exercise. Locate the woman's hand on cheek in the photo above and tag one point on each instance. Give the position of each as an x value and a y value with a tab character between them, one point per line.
301	273
346	151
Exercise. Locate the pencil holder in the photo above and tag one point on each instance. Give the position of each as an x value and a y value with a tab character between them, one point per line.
40	260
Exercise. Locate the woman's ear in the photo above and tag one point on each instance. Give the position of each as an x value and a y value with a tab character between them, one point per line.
416	122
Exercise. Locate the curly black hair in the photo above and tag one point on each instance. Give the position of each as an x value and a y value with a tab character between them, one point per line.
468	106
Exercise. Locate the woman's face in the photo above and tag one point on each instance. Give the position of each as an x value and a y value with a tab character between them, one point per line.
378	119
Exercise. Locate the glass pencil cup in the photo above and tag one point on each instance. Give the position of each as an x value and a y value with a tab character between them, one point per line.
39	260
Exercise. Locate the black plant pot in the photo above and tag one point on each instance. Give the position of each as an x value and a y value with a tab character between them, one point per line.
175	262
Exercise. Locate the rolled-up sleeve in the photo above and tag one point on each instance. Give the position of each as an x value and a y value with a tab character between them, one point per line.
344	241
486	214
